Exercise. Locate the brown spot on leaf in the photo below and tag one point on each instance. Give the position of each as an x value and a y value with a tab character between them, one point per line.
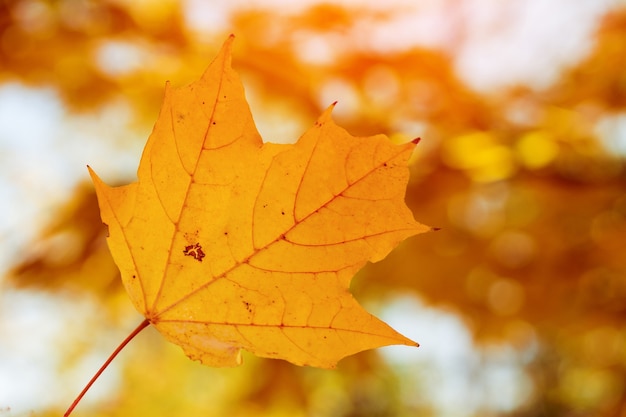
194	251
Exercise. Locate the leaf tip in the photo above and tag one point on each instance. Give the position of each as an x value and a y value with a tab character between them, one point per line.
326	114
100	186
227	46
229	40
409	342
94	177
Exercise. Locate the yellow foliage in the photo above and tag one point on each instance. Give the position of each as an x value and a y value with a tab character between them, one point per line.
480	156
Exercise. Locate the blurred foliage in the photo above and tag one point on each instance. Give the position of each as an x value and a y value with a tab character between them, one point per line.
530	200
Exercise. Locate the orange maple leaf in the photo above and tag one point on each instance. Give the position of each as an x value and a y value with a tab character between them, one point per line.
228	243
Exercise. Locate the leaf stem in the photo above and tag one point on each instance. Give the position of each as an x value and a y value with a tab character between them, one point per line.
130	337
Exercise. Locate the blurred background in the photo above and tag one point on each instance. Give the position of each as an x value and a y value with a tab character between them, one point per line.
518	301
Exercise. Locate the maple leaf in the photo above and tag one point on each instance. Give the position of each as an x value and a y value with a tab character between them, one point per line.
227	243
